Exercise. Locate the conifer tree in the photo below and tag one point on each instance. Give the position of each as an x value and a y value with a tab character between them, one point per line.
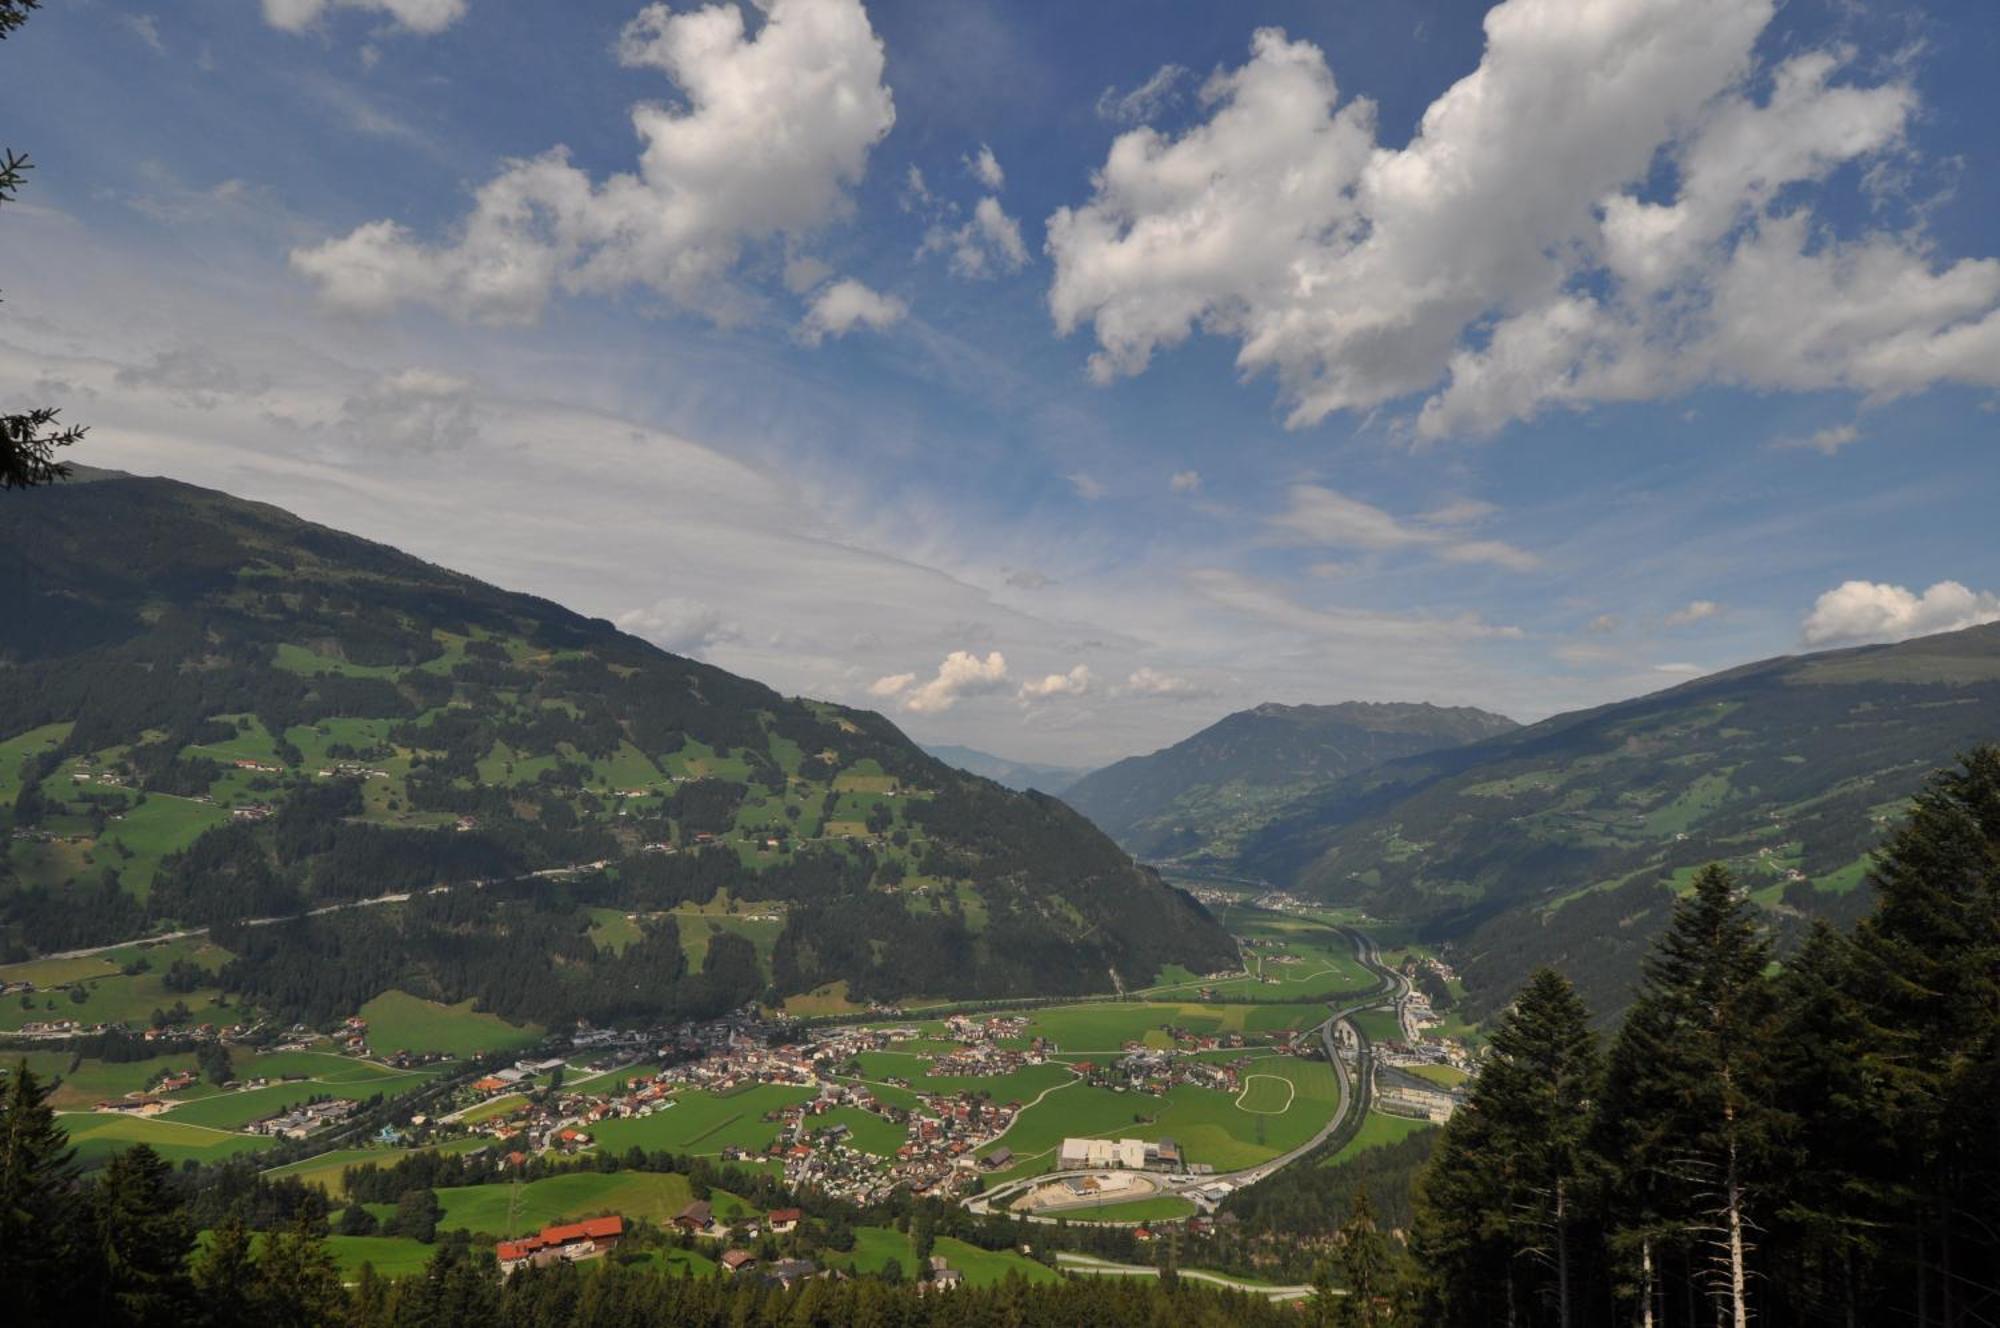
1928	968
1687	1114
1498	1216
143	1239
298	1283
225	1277
1367	1268
39	1239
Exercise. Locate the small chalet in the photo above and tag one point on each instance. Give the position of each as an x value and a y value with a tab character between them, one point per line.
589	1239
784	1221
698	1216
735	1261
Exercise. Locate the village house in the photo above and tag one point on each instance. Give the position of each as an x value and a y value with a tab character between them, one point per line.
591	1238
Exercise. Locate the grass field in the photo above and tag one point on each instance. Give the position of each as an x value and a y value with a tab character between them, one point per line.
704	1122
655	1196
392	1256
111	996
1378	1130
398	1021
1159	1208
877	1247
98	1136
160	826
1105	1026
234	1110
868	1132
1442	1075
1378	1025
324	1169
22	747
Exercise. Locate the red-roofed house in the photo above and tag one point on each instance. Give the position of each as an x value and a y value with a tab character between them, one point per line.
784	1220
588	1239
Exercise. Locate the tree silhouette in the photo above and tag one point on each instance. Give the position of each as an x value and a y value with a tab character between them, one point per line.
28	438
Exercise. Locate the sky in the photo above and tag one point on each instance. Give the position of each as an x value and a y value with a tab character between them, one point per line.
1058	378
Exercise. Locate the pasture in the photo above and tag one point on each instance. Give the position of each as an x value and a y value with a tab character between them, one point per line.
1378	1130
702	1122
877	1247
98	1135
398	1021
1103	1027
654	1196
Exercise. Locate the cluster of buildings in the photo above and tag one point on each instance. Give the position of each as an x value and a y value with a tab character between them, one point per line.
307	1119
569	1242
1161	1154
1144	1070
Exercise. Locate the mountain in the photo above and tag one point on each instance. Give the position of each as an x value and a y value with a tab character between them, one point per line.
1198	799
1020	775
1557	843
215	711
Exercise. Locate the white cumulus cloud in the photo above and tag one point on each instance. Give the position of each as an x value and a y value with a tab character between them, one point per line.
1504	260
775	129
1859	611
962	674
845	306
1185	481
892	685
1074	683
985	168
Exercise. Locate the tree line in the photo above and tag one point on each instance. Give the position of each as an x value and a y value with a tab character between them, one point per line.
1816	1143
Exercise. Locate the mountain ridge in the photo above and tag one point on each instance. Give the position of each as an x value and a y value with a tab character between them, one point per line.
218	711
1186	801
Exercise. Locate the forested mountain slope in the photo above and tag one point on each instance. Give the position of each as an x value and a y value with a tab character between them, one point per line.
1553	844
1196	800
215	711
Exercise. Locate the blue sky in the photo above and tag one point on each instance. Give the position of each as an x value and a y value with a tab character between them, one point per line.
1057	378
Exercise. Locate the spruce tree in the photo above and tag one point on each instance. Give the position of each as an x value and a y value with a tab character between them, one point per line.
298	1283
143	1239
1367	1268
1687	1118
225	1277
40	1254
1928	969
1499	1223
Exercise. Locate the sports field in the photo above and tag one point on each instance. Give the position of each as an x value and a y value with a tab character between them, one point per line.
1159	1208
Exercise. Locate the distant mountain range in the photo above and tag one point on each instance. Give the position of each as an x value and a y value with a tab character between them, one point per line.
215	711
1019	775
1199	800
1557	843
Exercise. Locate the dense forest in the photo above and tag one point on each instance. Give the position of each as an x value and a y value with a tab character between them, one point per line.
217	712
1817	1143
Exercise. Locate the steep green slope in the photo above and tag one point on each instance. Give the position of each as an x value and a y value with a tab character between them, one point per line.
1555	843
215	711
1195	801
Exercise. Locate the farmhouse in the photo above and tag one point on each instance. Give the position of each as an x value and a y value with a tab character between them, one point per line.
588	1239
